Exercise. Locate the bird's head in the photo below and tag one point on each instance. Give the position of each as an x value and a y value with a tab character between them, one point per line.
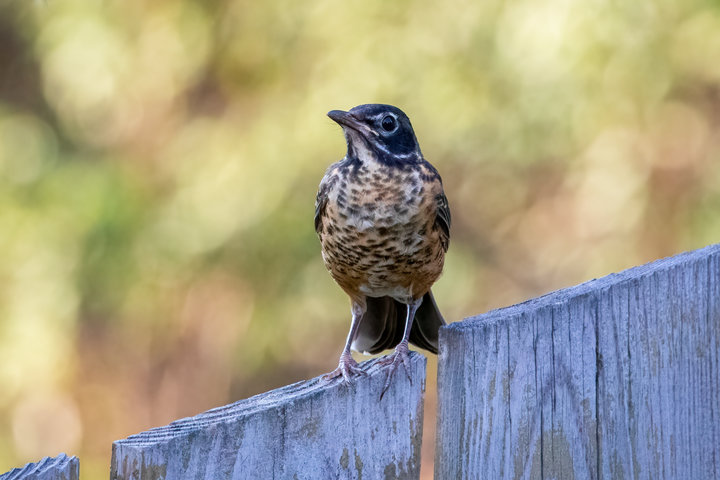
378	132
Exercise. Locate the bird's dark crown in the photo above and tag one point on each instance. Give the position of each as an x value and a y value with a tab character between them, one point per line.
383	130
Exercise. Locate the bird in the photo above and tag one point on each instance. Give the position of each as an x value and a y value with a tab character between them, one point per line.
383	221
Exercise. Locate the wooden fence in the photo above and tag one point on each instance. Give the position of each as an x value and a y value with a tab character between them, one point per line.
61	467
616	378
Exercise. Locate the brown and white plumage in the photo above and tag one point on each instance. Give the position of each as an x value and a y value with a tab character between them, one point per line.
384	227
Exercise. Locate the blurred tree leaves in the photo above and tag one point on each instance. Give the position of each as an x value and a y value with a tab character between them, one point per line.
159	160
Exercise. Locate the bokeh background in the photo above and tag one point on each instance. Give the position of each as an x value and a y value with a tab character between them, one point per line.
159	162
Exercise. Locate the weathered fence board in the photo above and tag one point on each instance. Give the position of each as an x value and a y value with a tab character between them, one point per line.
615	378
308	430
61	467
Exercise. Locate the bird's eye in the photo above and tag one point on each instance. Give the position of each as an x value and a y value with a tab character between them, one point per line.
388	123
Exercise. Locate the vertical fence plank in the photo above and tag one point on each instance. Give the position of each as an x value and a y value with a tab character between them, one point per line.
61	467
308	430
615	378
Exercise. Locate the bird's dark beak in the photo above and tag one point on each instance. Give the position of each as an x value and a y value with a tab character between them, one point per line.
346	119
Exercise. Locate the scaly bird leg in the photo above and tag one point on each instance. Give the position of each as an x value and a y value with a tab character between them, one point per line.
347	367
402	350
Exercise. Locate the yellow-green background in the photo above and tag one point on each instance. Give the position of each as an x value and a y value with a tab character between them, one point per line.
159	161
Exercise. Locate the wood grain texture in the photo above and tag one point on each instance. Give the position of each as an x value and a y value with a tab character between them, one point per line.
308	430
616	378
61	467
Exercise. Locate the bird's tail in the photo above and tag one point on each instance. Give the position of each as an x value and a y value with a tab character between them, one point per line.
425	328
381	327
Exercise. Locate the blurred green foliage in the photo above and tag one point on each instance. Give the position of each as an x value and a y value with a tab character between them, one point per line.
159	161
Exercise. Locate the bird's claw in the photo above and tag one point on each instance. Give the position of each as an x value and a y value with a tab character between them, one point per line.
400	356
347	368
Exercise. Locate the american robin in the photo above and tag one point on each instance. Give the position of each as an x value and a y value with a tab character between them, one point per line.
384	226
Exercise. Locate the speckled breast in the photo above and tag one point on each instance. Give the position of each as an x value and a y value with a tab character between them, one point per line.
379	236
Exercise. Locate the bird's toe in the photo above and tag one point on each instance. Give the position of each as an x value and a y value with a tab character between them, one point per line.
401	356
347	368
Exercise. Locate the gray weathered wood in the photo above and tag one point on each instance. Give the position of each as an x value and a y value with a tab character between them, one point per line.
61	467
616	378
309	430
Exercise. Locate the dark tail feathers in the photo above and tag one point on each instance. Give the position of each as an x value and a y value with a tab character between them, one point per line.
382	325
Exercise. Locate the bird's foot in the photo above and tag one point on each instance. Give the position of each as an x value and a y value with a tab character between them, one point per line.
400	356
347	368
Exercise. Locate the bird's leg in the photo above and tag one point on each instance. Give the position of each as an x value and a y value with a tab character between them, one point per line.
347	367
402	350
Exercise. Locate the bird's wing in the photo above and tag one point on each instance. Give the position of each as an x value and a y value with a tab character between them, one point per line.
327	183
442	217
442	220
320	203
